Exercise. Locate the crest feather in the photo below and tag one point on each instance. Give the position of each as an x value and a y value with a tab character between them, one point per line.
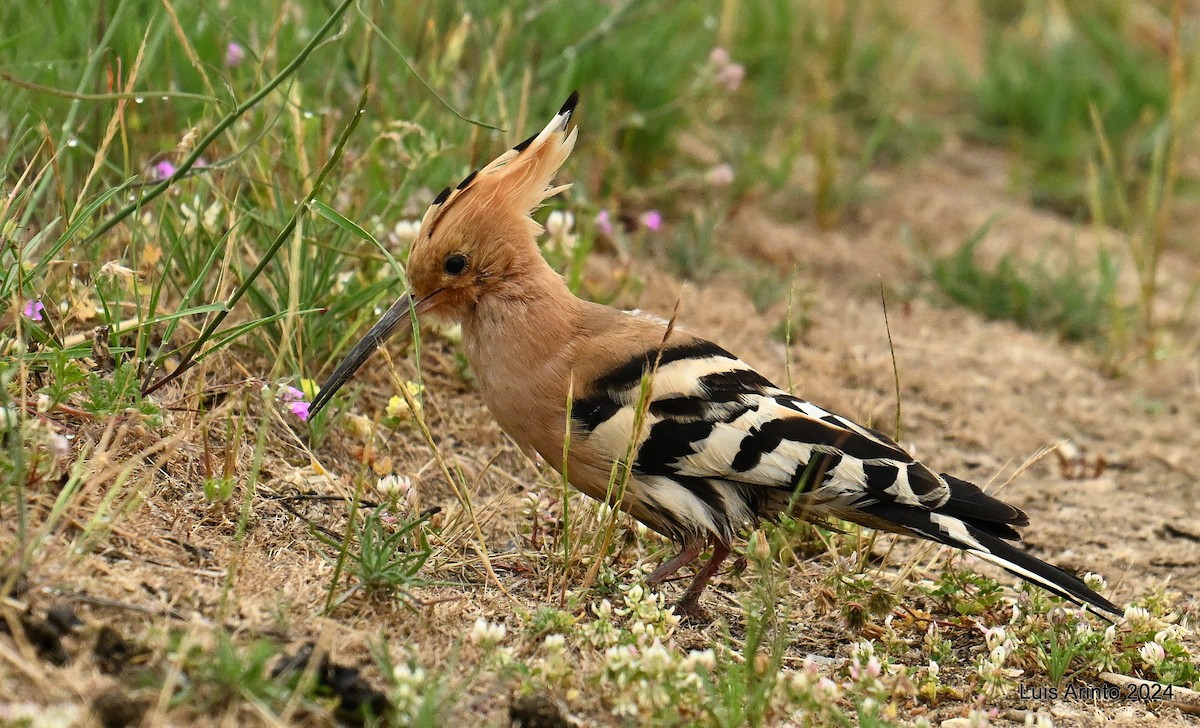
519	179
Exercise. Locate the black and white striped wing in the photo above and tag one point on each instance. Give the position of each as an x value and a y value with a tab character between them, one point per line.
712	417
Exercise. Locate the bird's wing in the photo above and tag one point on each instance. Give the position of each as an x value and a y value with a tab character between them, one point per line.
707	414
717	445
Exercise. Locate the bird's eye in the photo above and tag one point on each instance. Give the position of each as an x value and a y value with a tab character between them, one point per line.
455	264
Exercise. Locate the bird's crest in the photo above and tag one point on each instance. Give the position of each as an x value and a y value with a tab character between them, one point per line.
516	181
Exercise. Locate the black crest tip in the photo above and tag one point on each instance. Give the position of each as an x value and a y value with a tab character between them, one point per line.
570	103
468	179
441	196
521	147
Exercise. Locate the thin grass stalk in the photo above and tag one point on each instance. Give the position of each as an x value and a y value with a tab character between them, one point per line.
186	165
344	548
624	467
892	352
459	489
239	536
564	480
189	358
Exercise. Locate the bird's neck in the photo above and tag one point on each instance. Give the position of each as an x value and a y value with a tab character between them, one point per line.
519	339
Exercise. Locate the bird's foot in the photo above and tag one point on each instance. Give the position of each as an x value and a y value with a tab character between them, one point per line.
690	612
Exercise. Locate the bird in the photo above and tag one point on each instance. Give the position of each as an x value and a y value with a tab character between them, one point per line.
705	446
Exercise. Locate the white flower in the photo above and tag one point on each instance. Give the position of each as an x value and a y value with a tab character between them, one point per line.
1038	720
1137	615
995	637
554	643
1094	581
194	216
559	223
656	660
58	445
559	226
406	230
487	634
700	660
406	674
828	688
1152	653
934	669
874	668
399	484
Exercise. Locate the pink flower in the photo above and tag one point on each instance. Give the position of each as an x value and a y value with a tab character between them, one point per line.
730	77
294	399
33	310
719	176
300	409
234	55
603	223
652	220
719	57
164	169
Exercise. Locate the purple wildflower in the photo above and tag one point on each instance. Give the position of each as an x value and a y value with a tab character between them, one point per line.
33	310
300	409
652	219
603	223
234	55
294	399
164	169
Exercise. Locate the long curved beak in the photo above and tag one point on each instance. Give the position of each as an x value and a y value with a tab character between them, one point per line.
394	319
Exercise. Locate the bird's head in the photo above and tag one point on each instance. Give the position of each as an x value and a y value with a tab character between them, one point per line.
479	235
476	239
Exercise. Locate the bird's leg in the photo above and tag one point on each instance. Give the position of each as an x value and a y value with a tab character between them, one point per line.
686	556
689	604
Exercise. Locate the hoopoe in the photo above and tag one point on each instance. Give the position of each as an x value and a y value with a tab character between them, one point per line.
711	446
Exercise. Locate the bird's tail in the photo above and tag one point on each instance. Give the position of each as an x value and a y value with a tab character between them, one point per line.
979	539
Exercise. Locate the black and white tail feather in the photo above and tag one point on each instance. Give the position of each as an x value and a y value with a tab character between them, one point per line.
722	447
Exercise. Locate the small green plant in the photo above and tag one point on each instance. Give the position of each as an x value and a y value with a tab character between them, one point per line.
390	553
1057	646
229	671
218	486
693	250
861	598
1075	301
967	593
548	620
65	378
110	395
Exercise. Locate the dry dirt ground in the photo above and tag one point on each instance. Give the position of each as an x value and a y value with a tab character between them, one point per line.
979	398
